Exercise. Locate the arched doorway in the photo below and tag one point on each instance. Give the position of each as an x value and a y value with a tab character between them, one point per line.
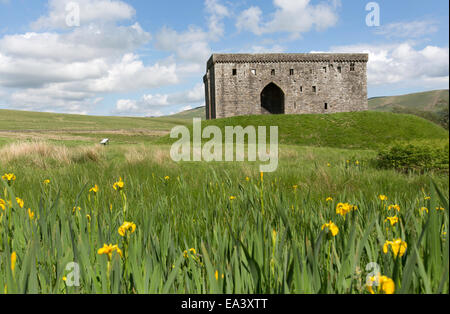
272	99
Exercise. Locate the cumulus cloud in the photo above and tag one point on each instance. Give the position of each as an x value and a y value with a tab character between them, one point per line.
404	64
291	16
71	69
149	104
191	48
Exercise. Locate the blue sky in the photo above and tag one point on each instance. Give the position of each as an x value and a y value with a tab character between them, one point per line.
147	58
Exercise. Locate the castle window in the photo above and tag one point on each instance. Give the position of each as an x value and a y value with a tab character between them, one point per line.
352	66
314	89
326	106
339	69
291	72
301	89
234	72
273	72
325	69
253	71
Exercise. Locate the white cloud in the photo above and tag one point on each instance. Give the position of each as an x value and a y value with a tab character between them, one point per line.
151	103
68	71
404	65
414	29
291	16
217	13
98	11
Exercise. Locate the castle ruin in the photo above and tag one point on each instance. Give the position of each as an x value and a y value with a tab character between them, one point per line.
252	84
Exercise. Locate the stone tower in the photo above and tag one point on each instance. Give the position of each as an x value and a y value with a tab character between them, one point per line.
251	84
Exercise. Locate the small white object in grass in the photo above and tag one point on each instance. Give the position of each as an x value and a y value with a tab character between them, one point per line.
105	141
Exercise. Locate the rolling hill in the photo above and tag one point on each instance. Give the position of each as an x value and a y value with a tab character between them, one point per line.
432	101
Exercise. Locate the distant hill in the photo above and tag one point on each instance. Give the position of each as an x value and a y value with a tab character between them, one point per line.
198	112
432	105
432	101
362	130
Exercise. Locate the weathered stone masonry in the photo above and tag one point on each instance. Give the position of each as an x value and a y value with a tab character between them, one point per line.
251	84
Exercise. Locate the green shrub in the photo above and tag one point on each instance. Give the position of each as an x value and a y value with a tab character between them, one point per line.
415	157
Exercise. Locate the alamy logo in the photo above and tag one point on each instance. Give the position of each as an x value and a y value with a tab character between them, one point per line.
373	18
213	150
73	14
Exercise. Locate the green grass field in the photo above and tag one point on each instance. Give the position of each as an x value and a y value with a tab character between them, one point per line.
218	227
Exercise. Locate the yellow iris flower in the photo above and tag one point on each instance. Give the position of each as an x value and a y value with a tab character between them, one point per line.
392	220
94	189
398	247
127	226
109	249
344	208
385	284
10	177
118	186
331	228
20	202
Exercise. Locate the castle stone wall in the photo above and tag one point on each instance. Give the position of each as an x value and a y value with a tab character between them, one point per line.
311	83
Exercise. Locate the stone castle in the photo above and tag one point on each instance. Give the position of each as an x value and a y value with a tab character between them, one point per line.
252	84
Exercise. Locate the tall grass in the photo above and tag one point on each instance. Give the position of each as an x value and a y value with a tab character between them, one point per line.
249	235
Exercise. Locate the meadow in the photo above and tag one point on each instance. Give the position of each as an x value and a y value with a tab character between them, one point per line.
327	221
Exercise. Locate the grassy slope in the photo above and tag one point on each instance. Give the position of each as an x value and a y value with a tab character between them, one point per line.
343	130
27	120
427	101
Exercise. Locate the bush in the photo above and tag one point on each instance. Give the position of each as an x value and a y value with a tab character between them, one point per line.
415	157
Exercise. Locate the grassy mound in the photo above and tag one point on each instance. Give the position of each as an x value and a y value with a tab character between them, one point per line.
366	130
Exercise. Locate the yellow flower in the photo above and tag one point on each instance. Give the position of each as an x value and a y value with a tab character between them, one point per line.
10	177
392	220
47	181
216	275
344	208
64	278
247	179
331	228
94	189
88	217
395	207
383	197
427	198
357	163
385	284
295	187
109	249
398	247
232	198
118	186
186	253
30	214
328	164
262	176
127	226
167	178
329	199
13	261
437	208
75	209
20	202
2	204
424	209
